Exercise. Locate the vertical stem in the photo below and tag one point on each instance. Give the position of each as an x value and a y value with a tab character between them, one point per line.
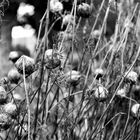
27	99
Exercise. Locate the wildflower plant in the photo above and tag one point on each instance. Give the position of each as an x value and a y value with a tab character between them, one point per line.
80	83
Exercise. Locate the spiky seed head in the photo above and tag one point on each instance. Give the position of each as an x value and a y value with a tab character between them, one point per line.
3	95
135	110
101	93
84	10
29	65
14	76
5	121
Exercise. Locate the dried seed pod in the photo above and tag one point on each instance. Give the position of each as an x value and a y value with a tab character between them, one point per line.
121	93
29	65
131	77
135	110
14	56
14	76
3	95
67	19
4	80
5	121
52	63
99	73
101	93
56	6
49	54
11	109
51	59
84	10
73	77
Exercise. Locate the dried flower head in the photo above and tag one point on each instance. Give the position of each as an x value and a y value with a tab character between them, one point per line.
95	34
3	95
73	77
14	76
29	65
56	6
135	110
5	121
121	93
101	93
14	56
99	73
51	59
84	10
132	77
11	109
4	80
68	19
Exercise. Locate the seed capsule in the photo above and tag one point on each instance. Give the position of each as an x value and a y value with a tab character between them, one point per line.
14	76
84	10
29	65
